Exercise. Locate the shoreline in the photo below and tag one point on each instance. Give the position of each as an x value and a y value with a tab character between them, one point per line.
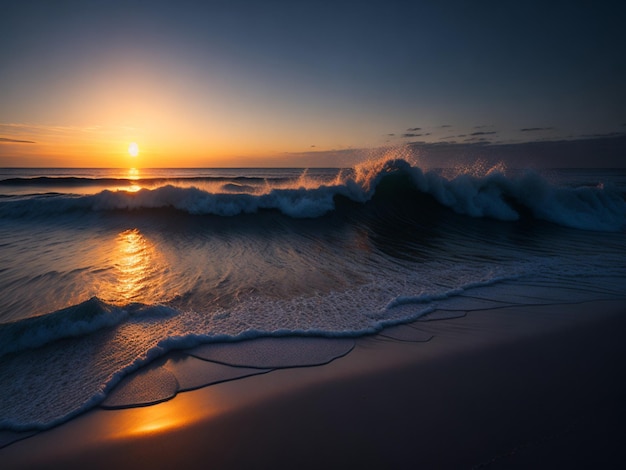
511	387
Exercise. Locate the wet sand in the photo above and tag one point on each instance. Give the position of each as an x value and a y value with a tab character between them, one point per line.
515	387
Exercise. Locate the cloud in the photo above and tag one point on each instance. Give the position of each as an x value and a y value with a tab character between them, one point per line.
483	132
413	129
608	134
18	130
481	140
445	125
410	134
391	135
596	152
15	141
535	129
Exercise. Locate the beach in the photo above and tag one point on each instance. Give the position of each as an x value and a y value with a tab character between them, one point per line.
515	387
244	235
382	316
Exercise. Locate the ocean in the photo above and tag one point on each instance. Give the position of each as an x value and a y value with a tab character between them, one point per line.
104	270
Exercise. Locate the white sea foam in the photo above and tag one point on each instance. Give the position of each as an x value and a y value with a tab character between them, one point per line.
77	374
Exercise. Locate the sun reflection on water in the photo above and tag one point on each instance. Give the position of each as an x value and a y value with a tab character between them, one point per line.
133	175
137	271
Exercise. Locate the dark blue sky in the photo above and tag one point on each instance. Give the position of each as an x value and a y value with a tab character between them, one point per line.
261	79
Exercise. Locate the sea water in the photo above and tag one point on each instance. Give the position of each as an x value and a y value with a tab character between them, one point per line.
105	270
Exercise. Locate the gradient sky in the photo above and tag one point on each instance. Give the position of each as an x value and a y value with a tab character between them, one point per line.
302	83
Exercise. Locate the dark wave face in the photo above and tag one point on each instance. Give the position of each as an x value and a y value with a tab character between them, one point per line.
102	273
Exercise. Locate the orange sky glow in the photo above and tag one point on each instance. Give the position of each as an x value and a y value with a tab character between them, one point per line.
296	84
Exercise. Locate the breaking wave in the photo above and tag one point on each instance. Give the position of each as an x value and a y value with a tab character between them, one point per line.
493	195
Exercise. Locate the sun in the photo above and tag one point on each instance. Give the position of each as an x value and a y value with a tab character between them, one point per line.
133	149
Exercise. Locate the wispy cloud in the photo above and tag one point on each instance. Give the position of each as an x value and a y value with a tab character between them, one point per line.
49	130
413	134
600	151
413	129
535	129
481	140
484	133
20	128
15	141
607	134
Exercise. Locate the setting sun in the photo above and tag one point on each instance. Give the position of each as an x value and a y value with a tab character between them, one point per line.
133	149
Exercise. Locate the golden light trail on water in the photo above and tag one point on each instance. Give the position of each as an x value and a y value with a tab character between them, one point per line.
137	274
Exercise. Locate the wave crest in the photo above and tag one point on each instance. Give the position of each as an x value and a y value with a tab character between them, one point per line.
75	321
490	193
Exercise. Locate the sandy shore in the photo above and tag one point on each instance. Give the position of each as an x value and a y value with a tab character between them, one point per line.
517	387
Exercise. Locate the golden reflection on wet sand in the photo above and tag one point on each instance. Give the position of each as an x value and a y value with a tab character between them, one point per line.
177	413
149	420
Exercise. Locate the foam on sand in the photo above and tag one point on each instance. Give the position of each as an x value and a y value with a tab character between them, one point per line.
193	373
145	387
215	363
276	352
163	379
406	333
502	388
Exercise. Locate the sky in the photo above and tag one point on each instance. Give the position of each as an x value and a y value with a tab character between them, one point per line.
310	83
